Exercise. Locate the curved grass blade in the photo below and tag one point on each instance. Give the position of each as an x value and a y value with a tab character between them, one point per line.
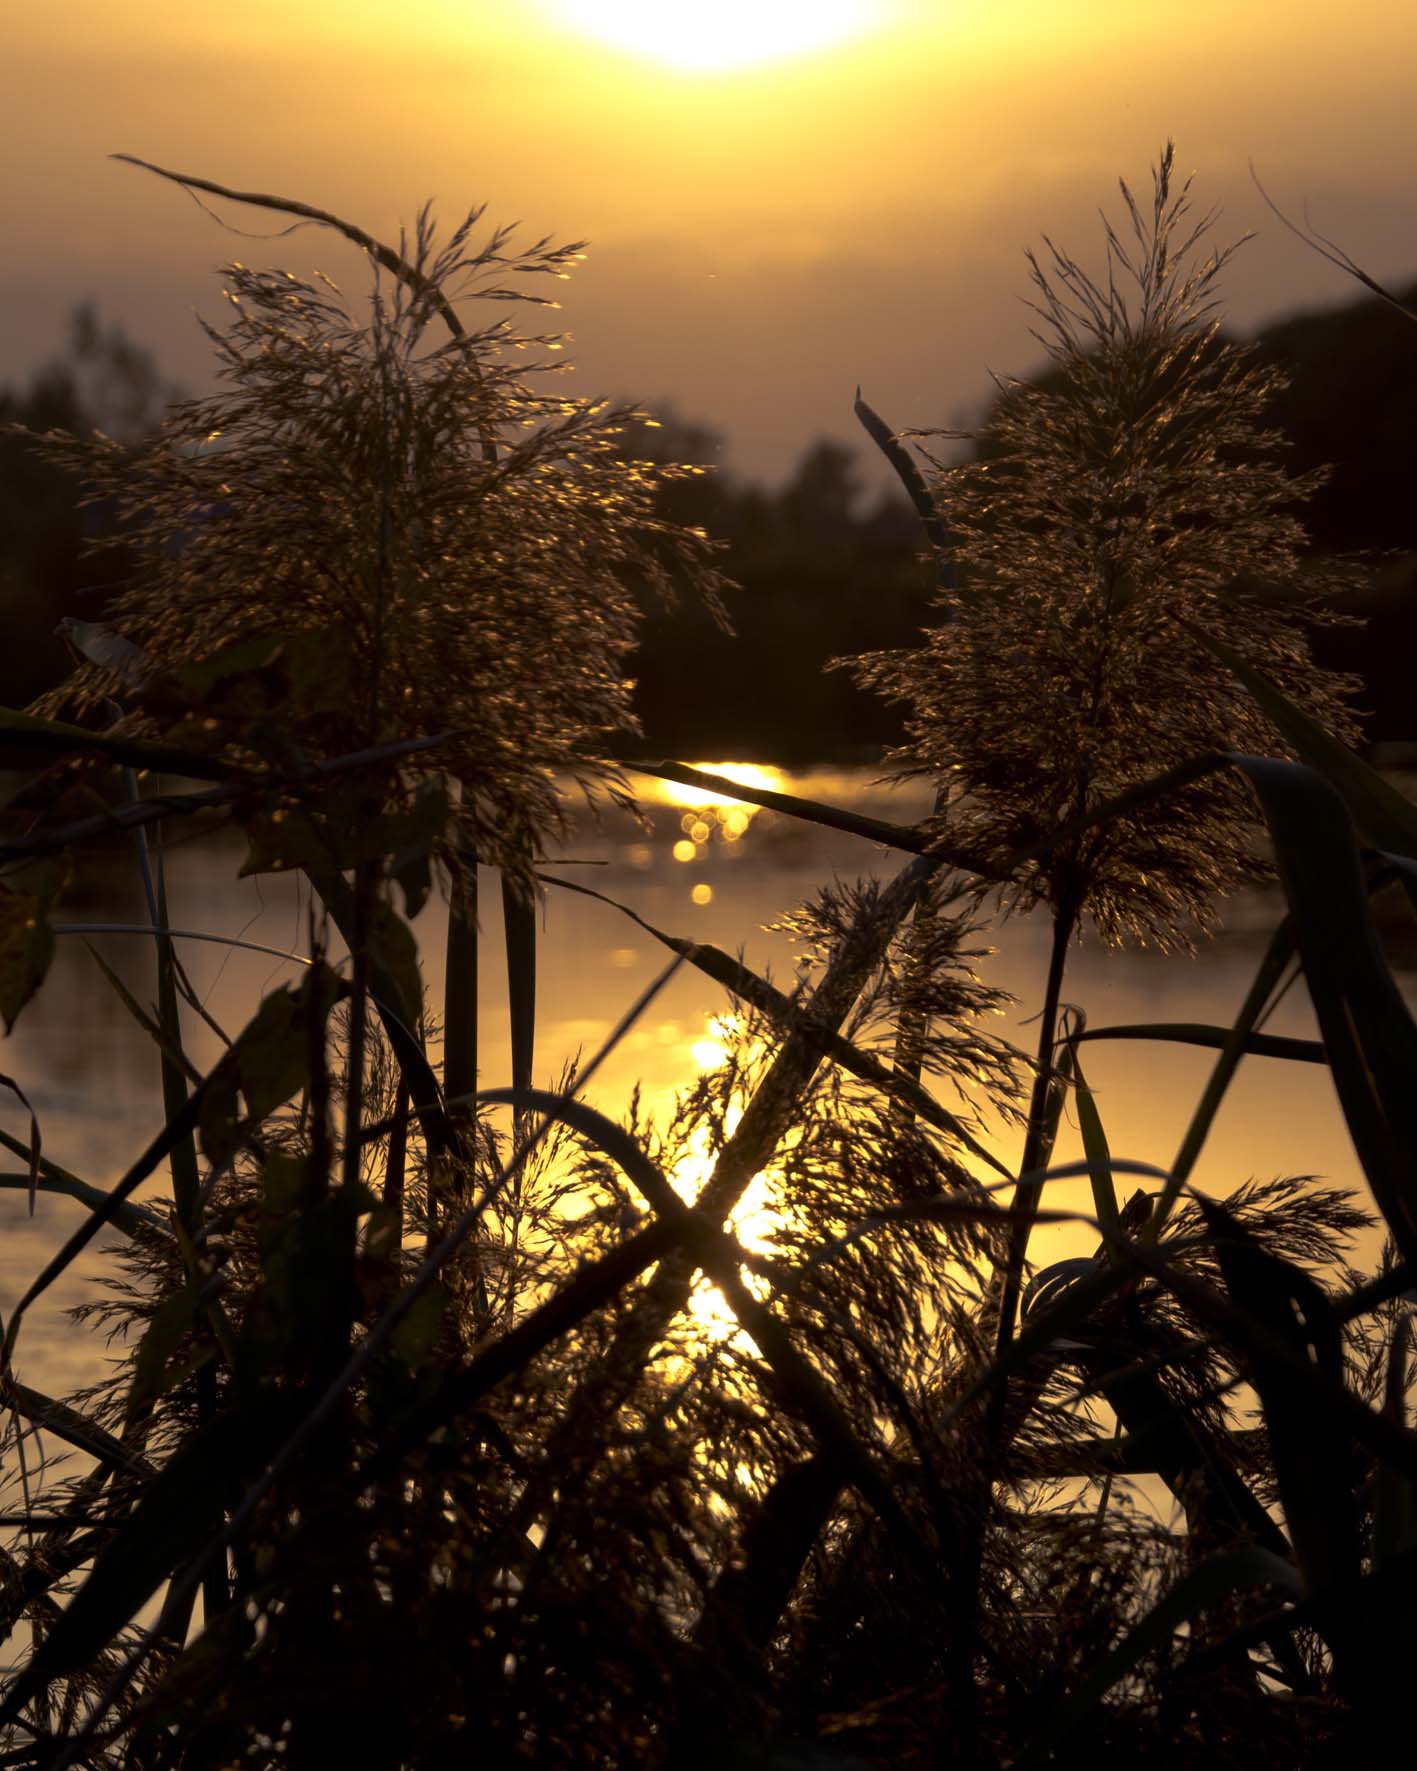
1232	1049
1314	1468
1367	1029
1332	1406
811	811
1212	1582
909	475
1328	1400
443	1136
459	991
1395	1282
912	842
392	261
600	1281
55	1179
1316	1460
141	1016
1394	1528
1253	1045
592	1287
751	1593
968	1203
1384	817
135	1221
145	928
33	1153
74	1428
1121	1454
1099	1156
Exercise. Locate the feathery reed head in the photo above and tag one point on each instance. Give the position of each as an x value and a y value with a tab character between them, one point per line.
461	539
1129	491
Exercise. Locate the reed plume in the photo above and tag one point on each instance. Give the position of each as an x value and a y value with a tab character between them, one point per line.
1127	497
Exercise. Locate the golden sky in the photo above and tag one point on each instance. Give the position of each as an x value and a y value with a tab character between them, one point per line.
763	235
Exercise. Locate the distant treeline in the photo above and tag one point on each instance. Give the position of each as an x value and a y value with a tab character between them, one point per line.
826	568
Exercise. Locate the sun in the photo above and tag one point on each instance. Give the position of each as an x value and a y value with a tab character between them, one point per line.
712	36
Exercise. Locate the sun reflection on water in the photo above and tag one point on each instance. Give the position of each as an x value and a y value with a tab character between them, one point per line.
679	793
755	1219
712	821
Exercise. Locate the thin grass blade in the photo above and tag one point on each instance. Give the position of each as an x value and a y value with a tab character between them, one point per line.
1253	1045
1211	1583
1233	1048
909	475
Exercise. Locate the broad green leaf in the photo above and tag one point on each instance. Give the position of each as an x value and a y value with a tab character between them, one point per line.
337	830
251	689
283	840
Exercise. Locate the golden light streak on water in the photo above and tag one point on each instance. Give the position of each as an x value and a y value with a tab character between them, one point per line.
754	1220
679	793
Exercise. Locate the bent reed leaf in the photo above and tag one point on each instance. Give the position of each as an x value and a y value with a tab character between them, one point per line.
1386	819
1368	1031
1211	1583
1254	1045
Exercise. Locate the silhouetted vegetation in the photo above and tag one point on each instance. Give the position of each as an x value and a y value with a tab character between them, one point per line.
458	1423
828	566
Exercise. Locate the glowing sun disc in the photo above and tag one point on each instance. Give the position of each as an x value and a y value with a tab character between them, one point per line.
707	36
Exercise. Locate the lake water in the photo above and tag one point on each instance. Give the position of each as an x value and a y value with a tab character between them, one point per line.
711	872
